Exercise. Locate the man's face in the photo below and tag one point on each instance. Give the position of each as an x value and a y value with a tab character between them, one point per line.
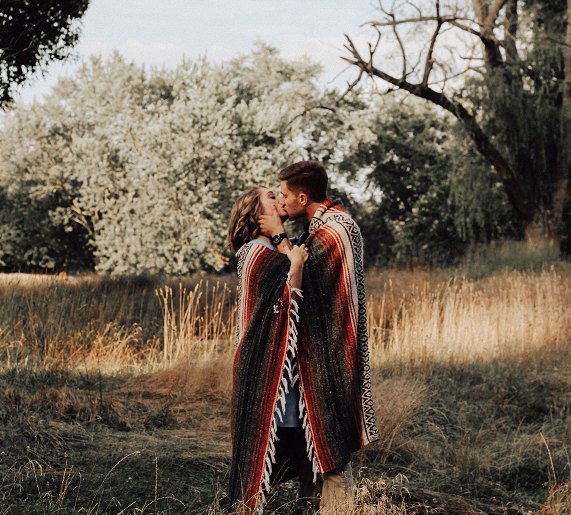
291	202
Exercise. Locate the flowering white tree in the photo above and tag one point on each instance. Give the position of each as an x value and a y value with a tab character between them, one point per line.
153	160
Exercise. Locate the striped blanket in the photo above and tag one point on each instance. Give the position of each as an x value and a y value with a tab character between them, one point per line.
326	334
333	355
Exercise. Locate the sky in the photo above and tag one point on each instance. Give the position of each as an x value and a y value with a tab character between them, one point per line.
161	32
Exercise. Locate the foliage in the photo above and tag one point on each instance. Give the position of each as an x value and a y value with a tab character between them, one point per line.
482	211
520	103
135	171
431	191
153	160
503	78
36	235
33	33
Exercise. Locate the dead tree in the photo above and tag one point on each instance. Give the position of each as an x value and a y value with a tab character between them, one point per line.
485	39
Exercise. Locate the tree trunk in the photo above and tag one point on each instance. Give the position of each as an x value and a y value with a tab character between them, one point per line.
549	224
511	31
562	202
513	188
542	223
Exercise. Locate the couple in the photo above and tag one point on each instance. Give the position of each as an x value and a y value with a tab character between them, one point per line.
301	400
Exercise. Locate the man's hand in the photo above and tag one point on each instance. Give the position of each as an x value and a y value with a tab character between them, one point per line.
271	225
297	256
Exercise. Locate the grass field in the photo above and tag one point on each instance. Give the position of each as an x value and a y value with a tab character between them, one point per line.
114	394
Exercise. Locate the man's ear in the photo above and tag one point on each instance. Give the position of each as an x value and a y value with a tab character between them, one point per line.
303	199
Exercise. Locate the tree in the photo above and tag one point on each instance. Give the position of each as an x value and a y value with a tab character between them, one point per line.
32	34
425	203
566	132
517	113
35	235
152	161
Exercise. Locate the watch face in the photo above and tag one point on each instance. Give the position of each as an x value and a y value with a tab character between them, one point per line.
277	239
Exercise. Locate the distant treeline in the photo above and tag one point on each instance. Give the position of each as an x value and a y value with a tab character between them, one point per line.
131	171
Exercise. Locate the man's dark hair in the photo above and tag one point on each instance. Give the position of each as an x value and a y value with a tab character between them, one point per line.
307	177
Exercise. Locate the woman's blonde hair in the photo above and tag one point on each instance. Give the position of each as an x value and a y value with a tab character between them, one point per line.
244	219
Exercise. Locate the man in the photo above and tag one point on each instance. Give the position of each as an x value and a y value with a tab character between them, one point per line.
332	358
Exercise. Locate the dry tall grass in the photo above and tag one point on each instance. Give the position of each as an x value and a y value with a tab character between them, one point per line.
463	421
558	500
415	319
197	325
112	326
508	316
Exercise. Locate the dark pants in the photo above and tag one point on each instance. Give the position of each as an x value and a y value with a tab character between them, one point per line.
332	492
292	461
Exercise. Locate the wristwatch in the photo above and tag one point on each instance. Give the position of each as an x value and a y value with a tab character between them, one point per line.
277	238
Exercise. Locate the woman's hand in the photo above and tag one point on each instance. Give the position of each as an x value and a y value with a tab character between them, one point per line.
298	256
271	224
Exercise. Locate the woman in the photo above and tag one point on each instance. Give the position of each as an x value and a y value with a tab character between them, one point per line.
265	397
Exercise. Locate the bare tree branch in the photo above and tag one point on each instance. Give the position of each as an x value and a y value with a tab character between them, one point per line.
557	41
487	18
509	42
333	109
445	19
465	28
309	109
456	75
494	12
488	39
83	218
4	55
373	49
350	87
408	2
483	144
481	10
402	50
429	59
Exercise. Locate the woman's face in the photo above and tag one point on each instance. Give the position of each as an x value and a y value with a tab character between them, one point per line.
268	199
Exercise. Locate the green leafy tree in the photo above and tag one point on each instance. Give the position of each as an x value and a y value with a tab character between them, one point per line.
506	78
37	189
427	203
32	34
35	234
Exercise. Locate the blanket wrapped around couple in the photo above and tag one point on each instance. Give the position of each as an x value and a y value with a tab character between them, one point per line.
327	335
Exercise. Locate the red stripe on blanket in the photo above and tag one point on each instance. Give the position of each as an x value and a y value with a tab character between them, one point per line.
320	447
254	279
271	389
258	262
348	331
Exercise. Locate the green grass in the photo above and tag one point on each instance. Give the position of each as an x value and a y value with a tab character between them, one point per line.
485	433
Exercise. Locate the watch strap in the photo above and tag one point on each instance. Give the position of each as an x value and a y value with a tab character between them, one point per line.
278	238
